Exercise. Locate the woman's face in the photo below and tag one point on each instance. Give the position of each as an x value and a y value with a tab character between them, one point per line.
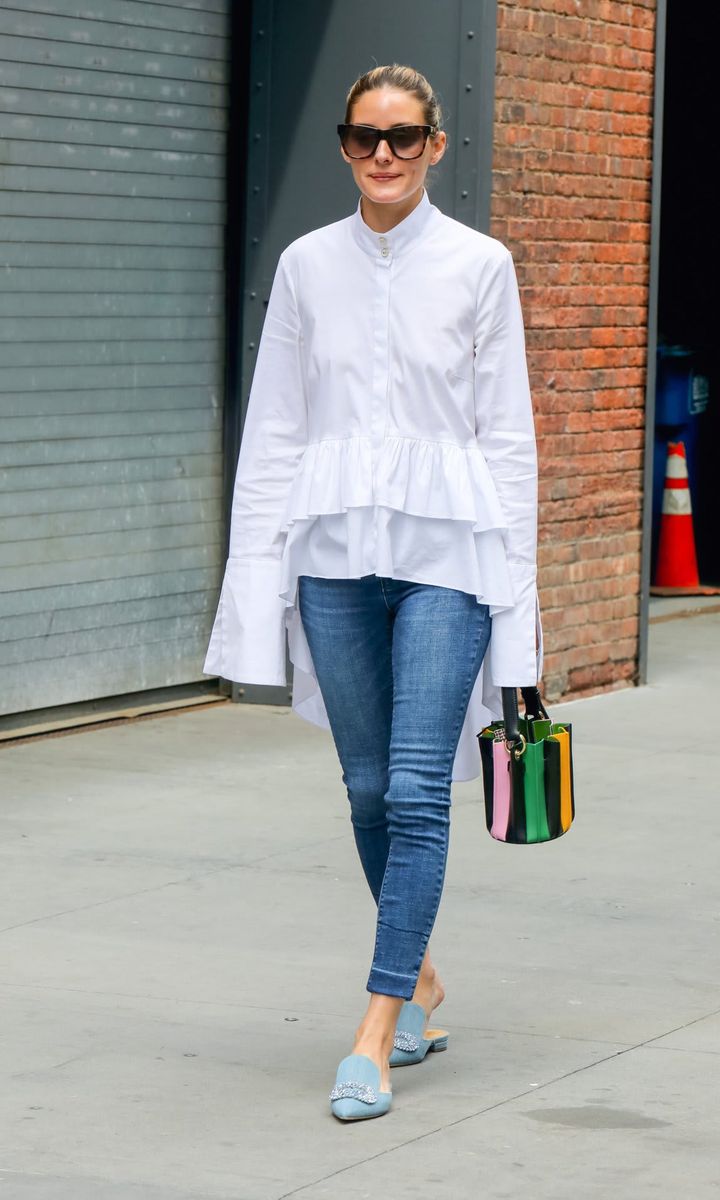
383	178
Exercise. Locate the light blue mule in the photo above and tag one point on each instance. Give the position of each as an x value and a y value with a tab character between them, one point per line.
357	1094
412	1040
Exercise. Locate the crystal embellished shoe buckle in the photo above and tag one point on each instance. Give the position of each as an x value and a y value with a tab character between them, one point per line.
405	1041
352	1090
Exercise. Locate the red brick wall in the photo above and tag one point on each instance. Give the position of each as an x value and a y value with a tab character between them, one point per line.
571	199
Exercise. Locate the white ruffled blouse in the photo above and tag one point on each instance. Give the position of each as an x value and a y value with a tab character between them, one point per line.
389	430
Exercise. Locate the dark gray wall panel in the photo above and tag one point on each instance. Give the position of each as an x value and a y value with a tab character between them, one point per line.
113	119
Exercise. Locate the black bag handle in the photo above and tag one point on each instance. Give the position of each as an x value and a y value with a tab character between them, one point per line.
534	707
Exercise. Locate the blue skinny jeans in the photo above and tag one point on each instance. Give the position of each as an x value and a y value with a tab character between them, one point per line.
396	662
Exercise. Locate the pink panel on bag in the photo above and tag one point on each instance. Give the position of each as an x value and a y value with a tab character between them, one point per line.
501	791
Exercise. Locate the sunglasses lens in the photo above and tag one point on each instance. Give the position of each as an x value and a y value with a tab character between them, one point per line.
408	141
405	141
359	143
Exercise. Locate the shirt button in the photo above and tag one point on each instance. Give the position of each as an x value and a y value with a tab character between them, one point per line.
382	240
384	251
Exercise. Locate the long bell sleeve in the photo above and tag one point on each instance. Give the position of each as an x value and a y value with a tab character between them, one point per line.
247	642
506	436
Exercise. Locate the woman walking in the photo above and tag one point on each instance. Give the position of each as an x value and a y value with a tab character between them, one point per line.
384	520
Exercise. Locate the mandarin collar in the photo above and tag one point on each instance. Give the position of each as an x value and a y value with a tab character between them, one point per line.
385	246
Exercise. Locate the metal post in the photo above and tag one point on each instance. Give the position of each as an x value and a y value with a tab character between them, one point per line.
658	110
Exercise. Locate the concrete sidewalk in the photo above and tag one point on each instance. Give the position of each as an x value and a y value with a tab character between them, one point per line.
186	940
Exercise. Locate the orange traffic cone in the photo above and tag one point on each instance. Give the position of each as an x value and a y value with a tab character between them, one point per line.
676	573
676	561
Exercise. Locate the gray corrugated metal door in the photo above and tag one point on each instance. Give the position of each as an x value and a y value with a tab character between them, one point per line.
112	210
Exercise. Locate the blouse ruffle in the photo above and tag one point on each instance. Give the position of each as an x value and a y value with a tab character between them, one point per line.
412	475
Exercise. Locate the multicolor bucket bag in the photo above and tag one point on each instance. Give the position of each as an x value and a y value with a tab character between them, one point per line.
527	772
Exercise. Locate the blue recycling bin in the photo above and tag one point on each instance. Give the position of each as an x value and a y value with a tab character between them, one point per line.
681	396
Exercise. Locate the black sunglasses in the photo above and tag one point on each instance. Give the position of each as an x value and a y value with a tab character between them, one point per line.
405	141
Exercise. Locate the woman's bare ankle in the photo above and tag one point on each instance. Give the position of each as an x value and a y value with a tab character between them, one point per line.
379	1041
375	1037
429	991
375	1034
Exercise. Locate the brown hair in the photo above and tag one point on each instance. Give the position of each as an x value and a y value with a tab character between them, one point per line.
405	79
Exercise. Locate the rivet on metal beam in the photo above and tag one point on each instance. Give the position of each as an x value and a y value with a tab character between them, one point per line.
471	33
463	195
466	141
468	87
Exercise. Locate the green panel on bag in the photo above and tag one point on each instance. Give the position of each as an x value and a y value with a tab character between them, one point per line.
535	730
535	813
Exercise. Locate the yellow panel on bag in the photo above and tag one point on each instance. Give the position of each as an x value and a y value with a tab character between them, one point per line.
565	780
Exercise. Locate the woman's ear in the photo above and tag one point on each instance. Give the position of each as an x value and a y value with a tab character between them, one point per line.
439	145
